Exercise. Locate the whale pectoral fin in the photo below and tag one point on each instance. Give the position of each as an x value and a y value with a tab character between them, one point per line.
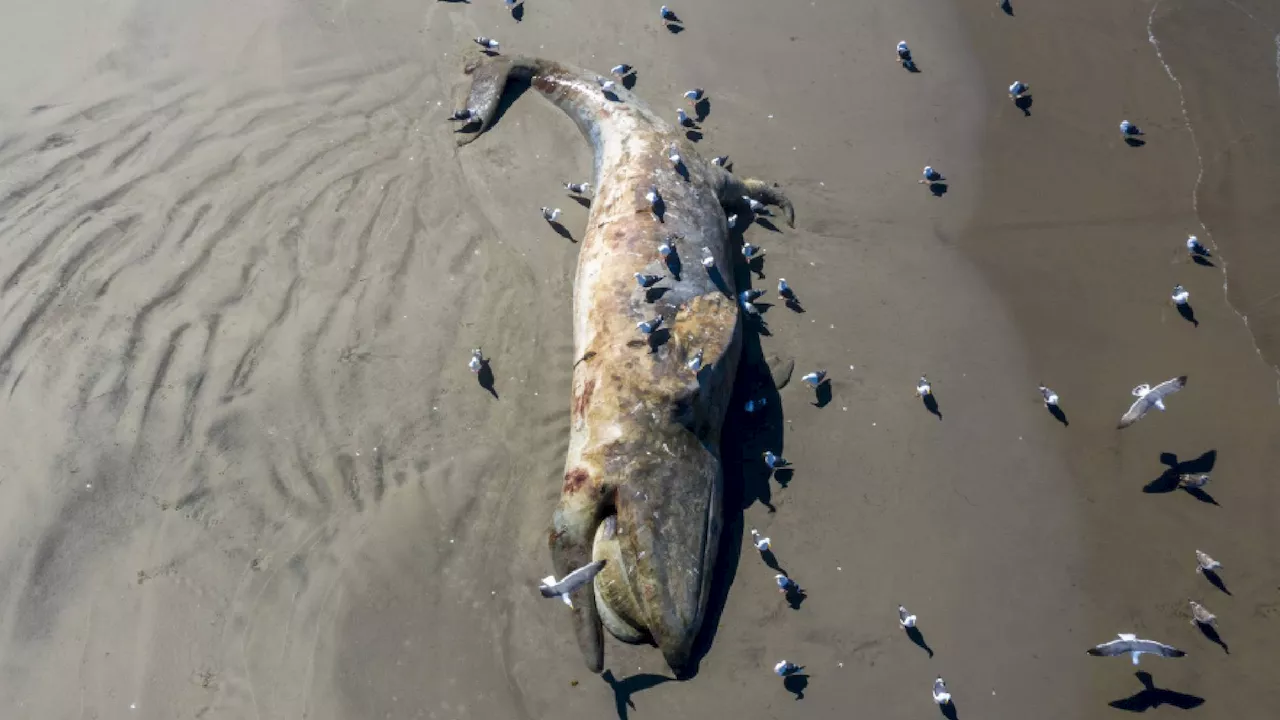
771	194
581	509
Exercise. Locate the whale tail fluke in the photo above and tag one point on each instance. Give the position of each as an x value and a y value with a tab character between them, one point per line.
771	194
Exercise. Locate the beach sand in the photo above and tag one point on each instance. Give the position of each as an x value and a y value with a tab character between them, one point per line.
246	472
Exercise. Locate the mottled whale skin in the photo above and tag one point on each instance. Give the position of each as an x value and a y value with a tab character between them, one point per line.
643	480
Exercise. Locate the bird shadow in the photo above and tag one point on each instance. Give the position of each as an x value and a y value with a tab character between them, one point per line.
1024	104
756	265
611	96
702	109
675	27
1202	496
1007	8
485	378
822	393
653	294
766	223
1211	633
793	304
629	81
784	476
796	683
772	561
1188	313
1202	261
796	596
1215	580
1134	142
917	637
682	171
931	404
693	135
584	202
938	188
659	208
1058	415
717	279
1168	480
561	230
626	687
1151	697
949	711
911	66
674	265
517	12
763	307
658	338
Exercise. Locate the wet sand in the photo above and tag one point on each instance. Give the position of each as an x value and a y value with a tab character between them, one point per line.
247	473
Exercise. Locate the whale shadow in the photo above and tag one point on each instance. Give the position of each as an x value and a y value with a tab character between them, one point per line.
1188	313
626	687
1168	480
931	404
486	379
1215	580
917	637
796	683
1024	104
1058	414
1151	697
702	109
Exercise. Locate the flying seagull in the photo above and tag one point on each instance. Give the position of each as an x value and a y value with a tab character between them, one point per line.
574	580
1129	643
1149	397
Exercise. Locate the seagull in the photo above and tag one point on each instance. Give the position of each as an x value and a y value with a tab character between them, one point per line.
940	694
1149	397
749	251
761	543
1195	248
1180	295
464	114
733	220
1128	129
649	326
756	206
1050	397
1200	616
708	260
695	363
720	160
621	71
477	361
1018	89
931	175
550	587
815	378
673	154
785	584
578	188
774	461
607	85
694	95
550	214
785	668
1193	482
654	199
750	295
785	290
905	619
1205	563
683	118
667	247
668	15
1129	644
904	52
750	309
923	388
754	405
486	43
646	281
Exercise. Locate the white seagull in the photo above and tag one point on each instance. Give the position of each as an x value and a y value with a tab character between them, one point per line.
486	43
695	363
756	206
785	668
550	587
654	198
667	15
477	361
1195	248
1200	616
940	694
732	221
750	295
683	118
1193	481
923	388
1050	397
1150	397
622	70
708	260
930	175
650	326
463	114
673	154
720	160
904	52
761	543
608	86
774	461
550	214
1129	644
905	619
1180	295
785	290
647	281
694	95
1128	129
1206	563
578	188
749	251
1018	89
815	378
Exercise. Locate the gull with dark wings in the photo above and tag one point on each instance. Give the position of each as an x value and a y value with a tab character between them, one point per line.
574	580
1130	644
1150	397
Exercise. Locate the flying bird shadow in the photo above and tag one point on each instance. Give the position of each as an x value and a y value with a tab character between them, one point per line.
931	404
561	230
1188	313
1215	580
823	391
1168	480
1211	633
485	378
1151	697
623	689
1024	104
917	637
702	109
796	683
1058	415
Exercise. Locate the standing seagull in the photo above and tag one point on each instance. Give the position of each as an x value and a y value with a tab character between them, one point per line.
551	588
774	461
683	118
1196	248
668	16
905	619
931	176
647	281
761	543
923	388
578	188
1129	644
477	364
1050	397
621	71
940	694
815	378
1018	89
550	214
1128	129
1150	397
1204	563
695	363
1200	616
694	95
785	668
1180	295
1191	481
488	44
655	202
